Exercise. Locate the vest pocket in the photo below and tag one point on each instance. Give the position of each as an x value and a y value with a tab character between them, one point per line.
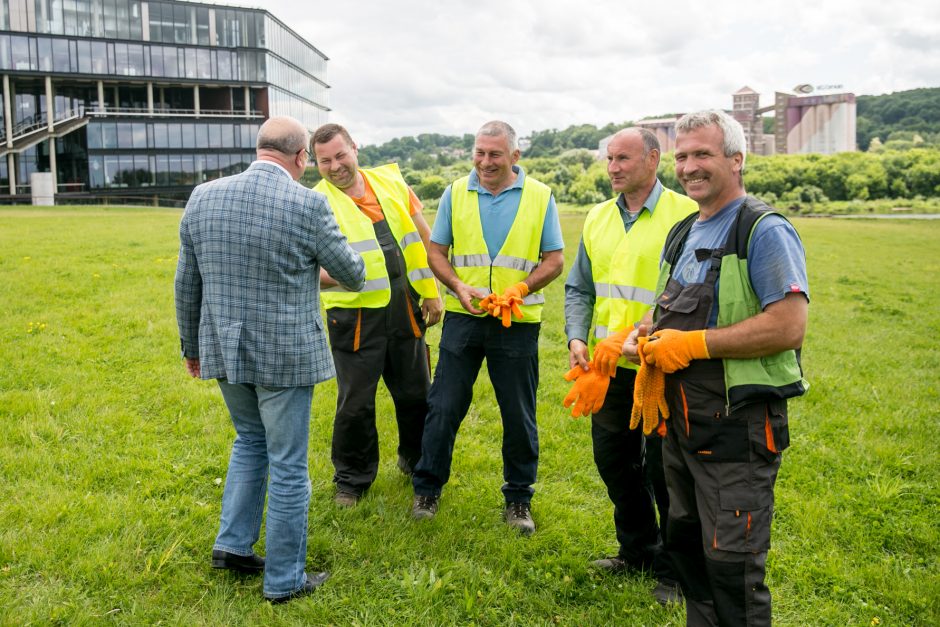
712	434
769	433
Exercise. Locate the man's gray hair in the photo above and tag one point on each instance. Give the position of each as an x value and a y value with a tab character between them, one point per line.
283	134
650	141
731	129
497	128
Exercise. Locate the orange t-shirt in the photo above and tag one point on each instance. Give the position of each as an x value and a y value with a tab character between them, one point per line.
369	204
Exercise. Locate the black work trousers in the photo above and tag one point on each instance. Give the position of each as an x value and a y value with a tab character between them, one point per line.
619	456
369	344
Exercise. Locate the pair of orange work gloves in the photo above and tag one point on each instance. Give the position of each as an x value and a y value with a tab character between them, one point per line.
507	304
670	351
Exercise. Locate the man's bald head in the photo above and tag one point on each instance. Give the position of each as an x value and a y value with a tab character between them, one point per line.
283	134
632	159
284	141
648	137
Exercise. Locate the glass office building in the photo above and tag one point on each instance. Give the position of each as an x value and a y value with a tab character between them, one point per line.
144	98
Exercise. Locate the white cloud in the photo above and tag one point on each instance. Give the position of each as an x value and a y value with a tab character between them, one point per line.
418	66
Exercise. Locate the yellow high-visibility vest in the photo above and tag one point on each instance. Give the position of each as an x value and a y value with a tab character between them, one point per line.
518	256
392	193
625	265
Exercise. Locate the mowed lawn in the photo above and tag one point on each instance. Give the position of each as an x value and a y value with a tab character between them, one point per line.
112	460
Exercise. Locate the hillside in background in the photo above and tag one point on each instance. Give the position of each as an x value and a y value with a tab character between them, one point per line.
898	116
904	117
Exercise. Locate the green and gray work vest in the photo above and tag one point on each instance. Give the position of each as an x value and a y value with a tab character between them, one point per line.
777	376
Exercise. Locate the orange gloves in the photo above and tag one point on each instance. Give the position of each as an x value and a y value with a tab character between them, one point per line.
670	350
506	305
649	400
588	392
608	352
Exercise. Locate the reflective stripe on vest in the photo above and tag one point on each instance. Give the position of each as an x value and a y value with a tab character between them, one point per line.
625	265
392	193
516	259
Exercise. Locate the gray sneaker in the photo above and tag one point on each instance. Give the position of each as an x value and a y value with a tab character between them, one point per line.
519	516
424	507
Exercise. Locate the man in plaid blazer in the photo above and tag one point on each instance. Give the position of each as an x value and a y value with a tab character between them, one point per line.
247	306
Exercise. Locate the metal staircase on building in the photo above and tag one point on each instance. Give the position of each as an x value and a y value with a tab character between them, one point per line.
35	129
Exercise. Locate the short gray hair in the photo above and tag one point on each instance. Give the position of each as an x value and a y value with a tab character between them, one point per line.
497	128
284	134
731	129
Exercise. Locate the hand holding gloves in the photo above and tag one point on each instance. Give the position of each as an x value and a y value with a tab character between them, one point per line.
649	400
587	395
671	350
507	304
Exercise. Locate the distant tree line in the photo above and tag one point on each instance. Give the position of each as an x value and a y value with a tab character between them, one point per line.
898	133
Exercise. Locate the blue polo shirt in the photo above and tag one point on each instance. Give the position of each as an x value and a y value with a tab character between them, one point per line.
497	214
776	261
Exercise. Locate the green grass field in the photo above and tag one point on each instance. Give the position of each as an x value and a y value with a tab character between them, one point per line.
112	460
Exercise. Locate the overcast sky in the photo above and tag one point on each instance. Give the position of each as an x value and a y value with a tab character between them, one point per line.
421	66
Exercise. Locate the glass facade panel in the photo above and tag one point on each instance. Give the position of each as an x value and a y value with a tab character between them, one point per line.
60	55
112	165
202	135
19	48
94	136
203	64
189	137
5	61
99	57
142	168
109	135
139	134
45	55
160	139
215	136
174	135
95	172
125	137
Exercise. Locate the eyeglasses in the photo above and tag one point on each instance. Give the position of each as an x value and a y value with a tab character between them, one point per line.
306	156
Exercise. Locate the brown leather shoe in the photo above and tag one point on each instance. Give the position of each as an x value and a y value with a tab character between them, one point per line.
519	516
424	507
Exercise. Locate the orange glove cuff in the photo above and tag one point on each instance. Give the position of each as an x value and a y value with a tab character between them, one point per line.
520	290
672	350
698	347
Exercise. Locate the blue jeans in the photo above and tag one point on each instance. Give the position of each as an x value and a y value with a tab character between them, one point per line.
273	427
512	361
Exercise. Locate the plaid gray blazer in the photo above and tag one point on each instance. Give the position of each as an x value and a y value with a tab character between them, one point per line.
248	278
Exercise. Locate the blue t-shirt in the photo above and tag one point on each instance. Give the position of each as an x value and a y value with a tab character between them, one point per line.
497	214
776	261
